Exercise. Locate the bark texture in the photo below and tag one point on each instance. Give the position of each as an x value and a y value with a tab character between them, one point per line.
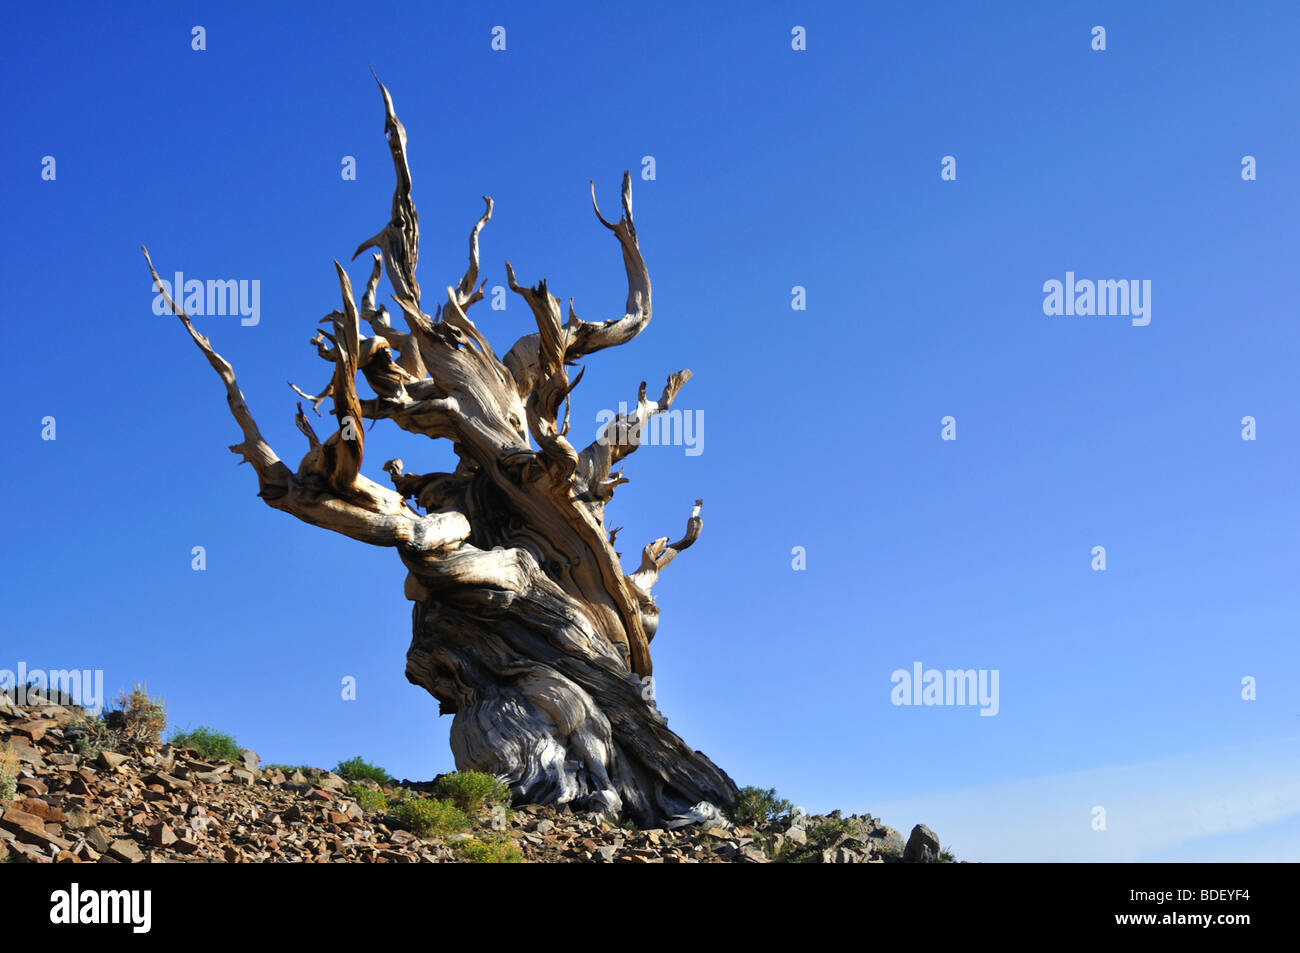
525	626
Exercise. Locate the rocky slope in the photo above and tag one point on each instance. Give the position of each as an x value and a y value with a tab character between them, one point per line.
73	803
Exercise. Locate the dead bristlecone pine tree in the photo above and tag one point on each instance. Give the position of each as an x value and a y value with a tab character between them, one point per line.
526	627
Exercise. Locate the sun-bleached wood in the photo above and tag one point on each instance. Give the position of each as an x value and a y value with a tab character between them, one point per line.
525	626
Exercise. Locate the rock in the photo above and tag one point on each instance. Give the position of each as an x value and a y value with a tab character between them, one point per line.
753	854
332	782
33	786
841	855
922	846
797	835
96	838
41	809
25	753
243	776
79	819
15	819
250	758
161	835
110	760
544	826
887	841
33	729
126	851
607	852
168	783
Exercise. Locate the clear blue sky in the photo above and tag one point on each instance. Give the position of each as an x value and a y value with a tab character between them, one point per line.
775	168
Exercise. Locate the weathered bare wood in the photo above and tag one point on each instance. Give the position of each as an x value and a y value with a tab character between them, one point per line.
525	627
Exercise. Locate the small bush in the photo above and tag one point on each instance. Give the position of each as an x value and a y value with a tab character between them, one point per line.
426	816
946	856
368	799
490	851
819	837
823	832
471	791
138	717
756	806
355	769
8	775
209	743
94	736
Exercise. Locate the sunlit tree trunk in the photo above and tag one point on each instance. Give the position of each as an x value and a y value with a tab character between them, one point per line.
526	628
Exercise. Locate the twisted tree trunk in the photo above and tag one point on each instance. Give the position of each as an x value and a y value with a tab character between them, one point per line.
525	627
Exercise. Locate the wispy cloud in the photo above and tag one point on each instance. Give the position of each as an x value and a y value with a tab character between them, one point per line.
1240	803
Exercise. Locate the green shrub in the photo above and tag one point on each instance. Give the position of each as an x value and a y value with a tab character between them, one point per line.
823	832
138	717
95	736
368	799
209	743
946	856
819	837
426	816
756	806
471	791
488	851
355	769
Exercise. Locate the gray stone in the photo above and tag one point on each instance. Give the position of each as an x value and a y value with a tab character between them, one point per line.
887	841
332	782
841	855
922	846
